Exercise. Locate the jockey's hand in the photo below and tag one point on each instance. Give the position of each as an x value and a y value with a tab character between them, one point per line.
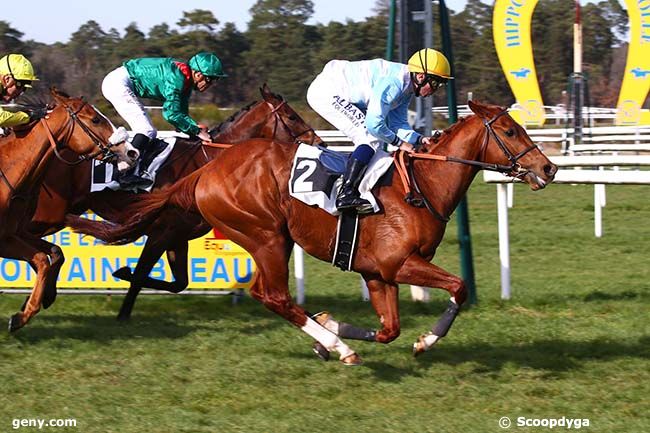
204	136
428	141
407	147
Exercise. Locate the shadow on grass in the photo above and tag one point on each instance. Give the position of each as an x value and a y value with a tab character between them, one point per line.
549	355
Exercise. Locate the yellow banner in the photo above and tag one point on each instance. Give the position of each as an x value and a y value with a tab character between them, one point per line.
214	263
511	32
636	81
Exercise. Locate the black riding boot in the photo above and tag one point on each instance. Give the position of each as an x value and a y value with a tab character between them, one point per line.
132	179
349	197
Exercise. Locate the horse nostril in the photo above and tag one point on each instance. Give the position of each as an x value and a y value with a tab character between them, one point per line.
133	154
550	169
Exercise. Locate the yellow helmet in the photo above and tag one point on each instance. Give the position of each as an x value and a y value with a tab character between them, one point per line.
18	67
430	62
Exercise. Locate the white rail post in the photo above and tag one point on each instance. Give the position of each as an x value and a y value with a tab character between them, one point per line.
299	269
511	194
598	210
365	295
504	240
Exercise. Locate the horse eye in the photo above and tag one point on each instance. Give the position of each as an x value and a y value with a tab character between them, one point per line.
293	117
96	120
510	132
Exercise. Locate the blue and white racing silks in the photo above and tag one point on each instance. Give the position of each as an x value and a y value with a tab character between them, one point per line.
383	90
366	100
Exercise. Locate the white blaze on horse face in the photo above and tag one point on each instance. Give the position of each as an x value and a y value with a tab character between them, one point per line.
327	338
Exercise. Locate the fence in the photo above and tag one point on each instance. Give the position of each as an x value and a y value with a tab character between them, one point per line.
598	177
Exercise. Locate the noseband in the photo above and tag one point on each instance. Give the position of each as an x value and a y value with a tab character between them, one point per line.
73	119
279	119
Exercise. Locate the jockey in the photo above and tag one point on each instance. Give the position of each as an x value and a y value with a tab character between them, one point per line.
16	74
368	101
169	81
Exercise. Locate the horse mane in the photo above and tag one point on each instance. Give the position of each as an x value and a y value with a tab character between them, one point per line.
233	117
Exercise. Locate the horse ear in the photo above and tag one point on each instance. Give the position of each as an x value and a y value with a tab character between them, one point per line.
480	109
264	90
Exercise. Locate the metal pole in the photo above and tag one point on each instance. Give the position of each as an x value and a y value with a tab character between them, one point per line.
390	40
462	213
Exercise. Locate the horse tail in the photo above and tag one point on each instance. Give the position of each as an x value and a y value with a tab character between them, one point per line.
143	213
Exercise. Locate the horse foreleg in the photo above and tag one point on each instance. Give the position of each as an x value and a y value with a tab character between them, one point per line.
419	272
270	286
56	262
15	247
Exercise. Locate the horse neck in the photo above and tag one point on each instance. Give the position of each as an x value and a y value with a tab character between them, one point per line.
29	156
445	183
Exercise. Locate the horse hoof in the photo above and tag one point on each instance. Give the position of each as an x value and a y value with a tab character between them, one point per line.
353	359
15	322
124	273
321	351
418	348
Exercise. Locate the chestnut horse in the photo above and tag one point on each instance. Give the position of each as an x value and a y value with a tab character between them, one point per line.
67	190
245	195
71	124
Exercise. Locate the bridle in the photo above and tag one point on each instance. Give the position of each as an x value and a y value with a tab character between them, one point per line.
279	119
514	169
74	120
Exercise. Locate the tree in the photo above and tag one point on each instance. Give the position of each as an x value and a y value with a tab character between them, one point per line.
279	53
10	39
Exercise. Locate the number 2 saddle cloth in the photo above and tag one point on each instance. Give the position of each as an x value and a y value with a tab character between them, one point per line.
316	176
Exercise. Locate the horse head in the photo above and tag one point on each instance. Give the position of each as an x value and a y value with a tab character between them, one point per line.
86	131
286	123
506	147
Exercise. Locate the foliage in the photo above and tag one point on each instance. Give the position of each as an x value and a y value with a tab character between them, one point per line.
281	48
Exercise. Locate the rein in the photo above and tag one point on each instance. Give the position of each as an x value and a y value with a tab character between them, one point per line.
407	175
73	119
278	118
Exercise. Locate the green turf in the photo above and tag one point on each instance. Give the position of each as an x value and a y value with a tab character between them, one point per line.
573	342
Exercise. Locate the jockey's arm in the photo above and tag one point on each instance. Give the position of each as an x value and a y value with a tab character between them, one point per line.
388	124
9	119
175	111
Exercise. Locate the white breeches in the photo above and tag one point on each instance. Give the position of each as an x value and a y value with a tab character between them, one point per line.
330	99
117	87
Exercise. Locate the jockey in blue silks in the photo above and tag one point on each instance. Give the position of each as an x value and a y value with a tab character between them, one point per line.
368	101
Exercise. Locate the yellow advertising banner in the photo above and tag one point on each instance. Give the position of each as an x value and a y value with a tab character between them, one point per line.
214	263
636	81
511	33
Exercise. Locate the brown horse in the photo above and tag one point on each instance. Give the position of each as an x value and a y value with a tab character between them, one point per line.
67	190
245	196
71	124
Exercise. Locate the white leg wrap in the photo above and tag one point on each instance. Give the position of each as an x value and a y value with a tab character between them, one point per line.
327	338
326	320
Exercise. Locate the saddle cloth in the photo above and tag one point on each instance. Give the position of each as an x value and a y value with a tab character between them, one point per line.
102	175
313	183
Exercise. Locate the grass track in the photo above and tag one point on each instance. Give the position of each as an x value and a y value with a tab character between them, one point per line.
574	342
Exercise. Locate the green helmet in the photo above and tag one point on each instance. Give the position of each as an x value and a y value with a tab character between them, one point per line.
208	64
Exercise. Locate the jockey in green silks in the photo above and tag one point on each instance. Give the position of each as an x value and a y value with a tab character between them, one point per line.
166	80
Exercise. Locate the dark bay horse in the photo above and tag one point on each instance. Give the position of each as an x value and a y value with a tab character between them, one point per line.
67	190
72	125
244	194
